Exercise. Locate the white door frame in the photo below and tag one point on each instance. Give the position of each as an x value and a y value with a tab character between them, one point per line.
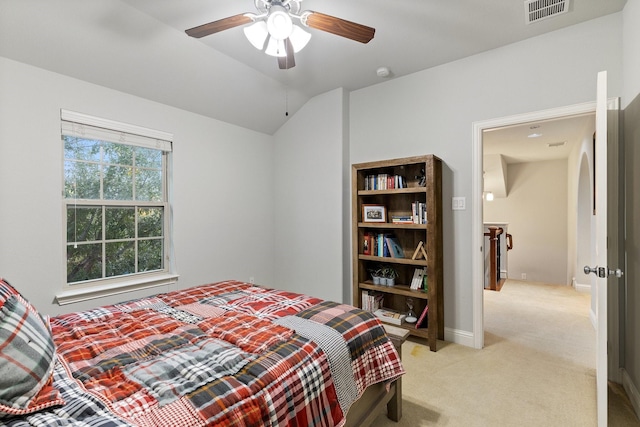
477	207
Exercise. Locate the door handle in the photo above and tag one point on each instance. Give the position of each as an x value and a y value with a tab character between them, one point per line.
603	272
617	272
588	269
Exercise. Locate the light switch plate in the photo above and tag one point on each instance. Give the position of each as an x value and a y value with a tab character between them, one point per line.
458	203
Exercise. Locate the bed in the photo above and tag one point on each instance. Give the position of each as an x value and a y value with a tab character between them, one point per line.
229	354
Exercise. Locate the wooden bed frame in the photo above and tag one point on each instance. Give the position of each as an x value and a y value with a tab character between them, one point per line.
372	403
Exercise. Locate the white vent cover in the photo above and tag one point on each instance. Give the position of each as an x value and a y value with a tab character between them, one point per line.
537	10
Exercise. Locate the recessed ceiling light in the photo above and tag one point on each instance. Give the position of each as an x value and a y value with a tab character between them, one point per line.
534	135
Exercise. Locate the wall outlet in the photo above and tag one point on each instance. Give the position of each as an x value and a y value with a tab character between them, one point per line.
524	276
252	280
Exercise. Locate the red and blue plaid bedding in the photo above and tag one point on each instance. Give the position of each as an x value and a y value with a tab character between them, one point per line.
228	354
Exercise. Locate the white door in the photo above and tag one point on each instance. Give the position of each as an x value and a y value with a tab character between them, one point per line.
599	259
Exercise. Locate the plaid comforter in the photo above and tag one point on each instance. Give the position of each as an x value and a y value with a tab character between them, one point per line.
228	354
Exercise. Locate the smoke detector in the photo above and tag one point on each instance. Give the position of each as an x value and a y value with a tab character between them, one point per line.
538	10
383	72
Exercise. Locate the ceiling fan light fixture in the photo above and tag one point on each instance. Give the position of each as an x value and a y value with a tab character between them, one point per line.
279	23
275	48
257	34
299	38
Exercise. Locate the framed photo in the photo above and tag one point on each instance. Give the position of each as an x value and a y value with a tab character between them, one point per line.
374	213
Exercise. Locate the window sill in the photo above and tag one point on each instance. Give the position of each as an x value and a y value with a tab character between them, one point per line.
72	296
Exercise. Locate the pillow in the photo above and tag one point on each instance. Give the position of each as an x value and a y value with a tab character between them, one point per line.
27	356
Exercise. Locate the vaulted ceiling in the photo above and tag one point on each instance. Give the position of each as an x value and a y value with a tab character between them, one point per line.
140	47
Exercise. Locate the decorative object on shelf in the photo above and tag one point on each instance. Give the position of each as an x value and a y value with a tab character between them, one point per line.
376	275
411	315
422	179
389	274
419	252
390	316
374	213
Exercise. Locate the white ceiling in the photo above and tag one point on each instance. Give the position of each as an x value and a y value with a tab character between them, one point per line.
139	47
530	142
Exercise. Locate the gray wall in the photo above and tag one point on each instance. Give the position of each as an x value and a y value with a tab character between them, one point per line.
432	111
632	273
222	176
631	136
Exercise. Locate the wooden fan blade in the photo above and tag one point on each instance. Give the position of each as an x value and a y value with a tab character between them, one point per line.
219	25
340	27
286	62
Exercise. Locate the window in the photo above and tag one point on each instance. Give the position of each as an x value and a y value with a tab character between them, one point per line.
115	200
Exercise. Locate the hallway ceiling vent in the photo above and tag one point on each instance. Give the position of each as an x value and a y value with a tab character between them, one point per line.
538	10
556	144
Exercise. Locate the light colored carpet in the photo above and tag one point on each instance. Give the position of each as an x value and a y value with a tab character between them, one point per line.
537	367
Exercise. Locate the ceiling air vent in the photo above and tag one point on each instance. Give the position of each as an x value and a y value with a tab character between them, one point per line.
537	10
556	144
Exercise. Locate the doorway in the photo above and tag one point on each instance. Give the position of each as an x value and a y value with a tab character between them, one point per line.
478	220
614	159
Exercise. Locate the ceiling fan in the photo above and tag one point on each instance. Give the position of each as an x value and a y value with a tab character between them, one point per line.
274	32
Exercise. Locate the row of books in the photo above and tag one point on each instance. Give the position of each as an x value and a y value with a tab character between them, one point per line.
419	280
384	181
419	212
382	245
372	301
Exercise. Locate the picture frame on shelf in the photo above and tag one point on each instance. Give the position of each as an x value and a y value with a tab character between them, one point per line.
374	213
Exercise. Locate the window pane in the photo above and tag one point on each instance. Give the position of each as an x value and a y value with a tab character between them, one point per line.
81	149
148	158
150	222
120	223
118	183
120	258
119	154
84	262
149	185
81	180
150	255
84	223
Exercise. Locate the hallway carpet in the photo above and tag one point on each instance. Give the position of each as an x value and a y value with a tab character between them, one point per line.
537	367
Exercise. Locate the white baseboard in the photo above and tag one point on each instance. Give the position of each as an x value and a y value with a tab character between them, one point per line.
632	391
580	287
459	337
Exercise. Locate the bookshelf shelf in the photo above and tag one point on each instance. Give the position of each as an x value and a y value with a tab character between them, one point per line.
409	192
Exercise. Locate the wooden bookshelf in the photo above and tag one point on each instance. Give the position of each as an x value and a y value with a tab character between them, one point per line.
396	185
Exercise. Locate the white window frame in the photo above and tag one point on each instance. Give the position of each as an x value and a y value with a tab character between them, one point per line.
79	124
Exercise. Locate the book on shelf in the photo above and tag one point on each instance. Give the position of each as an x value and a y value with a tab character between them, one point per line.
371	301
395	250
390	316
402	219
423	320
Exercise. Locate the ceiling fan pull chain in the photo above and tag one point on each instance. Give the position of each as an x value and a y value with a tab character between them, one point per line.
286	102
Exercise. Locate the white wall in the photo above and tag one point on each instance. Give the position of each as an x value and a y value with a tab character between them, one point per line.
432	111
536	211
223	210
308	167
